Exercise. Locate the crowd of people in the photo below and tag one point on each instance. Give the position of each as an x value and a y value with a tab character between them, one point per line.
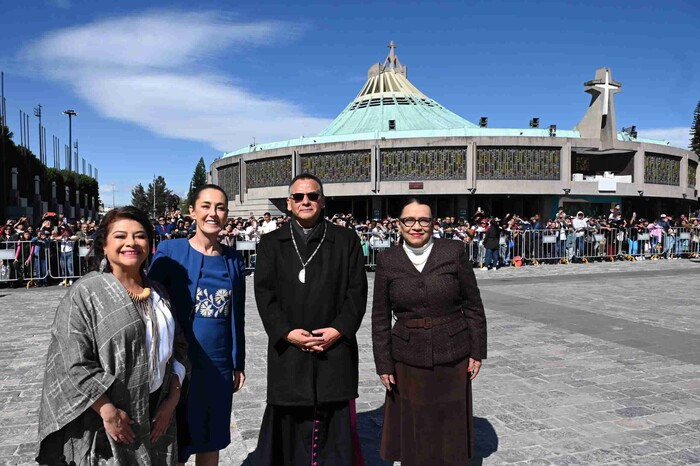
494	241
39	252
55	251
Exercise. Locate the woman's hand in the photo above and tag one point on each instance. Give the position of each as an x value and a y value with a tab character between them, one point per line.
474	367
238	380
161	420
117	426
387	380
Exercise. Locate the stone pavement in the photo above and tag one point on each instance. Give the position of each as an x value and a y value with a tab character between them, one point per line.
588	364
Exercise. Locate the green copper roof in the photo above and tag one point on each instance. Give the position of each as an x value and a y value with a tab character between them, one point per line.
388	96
407	114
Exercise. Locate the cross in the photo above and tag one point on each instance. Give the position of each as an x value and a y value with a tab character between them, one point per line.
391	47
606	95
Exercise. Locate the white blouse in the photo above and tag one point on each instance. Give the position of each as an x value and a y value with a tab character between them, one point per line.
166	329
419	256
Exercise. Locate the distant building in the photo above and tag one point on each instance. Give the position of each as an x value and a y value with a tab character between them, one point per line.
393	140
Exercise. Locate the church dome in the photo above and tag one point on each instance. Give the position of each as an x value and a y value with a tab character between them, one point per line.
389	101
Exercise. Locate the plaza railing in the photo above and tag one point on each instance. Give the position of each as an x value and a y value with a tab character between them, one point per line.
597	244
536	247
23	261
67	259
248	250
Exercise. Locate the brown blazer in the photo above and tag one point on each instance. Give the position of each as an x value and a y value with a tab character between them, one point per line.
445	286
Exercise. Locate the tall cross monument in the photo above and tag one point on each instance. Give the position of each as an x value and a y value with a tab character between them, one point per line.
599	121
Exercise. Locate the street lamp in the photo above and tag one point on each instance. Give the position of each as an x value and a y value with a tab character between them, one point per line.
37	113
71	114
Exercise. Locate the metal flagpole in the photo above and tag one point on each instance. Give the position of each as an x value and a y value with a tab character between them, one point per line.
3	123
37	113
154	196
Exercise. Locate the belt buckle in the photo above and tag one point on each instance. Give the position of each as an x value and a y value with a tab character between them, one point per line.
428	322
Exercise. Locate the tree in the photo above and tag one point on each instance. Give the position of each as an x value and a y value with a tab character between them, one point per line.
199	179
165	198
139	198
695	131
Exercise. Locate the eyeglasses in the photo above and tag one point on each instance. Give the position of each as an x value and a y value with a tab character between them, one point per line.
410	221
298	197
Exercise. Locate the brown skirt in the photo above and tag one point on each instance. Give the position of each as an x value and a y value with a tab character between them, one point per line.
428	418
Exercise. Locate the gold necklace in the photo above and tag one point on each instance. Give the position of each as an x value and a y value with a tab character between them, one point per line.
140	297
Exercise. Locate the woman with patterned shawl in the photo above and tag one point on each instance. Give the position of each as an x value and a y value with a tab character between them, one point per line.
116	359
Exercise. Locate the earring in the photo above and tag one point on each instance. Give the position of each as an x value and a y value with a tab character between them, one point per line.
104	264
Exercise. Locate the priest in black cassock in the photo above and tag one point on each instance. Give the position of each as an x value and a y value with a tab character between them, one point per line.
311	292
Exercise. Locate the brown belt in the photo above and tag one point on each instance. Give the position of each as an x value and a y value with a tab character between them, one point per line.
430	322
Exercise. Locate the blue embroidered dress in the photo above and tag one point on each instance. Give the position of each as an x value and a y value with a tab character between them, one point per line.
211	389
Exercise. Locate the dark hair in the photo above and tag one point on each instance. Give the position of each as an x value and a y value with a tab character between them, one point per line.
97	251
415	200
216	187
306	176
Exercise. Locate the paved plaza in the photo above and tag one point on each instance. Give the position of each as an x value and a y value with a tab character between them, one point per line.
588	364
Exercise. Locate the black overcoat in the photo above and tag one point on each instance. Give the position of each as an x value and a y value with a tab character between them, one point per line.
334	295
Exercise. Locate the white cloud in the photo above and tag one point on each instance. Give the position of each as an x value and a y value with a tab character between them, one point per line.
154	70
679	137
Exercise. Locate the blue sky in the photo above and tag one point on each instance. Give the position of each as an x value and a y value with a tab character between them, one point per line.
159	84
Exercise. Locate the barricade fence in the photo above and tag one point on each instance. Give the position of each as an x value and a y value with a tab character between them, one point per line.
38	261
535	247
67	259
590	244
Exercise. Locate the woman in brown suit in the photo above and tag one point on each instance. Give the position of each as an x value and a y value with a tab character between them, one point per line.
434	350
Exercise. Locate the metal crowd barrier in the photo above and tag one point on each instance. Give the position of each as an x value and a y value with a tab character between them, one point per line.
67	259
248	251
552	246
694	244
535	247
7	258
23	261
374	244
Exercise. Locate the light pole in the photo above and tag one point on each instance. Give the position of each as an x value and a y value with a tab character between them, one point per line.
112	195
76	157
71	114
37	113
3	122
154	196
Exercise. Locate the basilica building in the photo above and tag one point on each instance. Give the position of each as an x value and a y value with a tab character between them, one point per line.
392	140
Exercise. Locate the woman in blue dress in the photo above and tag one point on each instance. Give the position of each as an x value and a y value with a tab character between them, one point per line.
206	282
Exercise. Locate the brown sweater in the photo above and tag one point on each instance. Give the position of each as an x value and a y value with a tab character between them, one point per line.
446	285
